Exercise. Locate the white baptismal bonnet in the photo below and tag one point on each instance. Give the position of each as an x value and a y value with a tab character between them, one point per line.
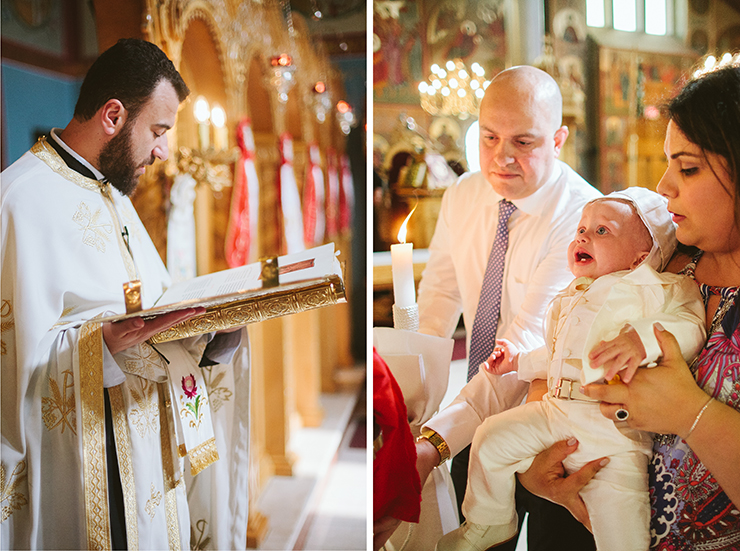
653	211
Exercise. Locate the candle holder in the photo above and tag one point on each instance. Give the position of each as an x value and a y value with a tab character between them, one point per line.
406	317
213	167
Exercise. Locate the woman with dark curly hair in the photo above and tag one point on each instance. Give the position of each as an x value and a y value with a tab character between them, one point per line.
694	410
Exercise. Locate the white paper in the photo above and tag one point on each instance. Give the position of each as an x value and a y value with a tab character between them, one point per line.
245	278
421	366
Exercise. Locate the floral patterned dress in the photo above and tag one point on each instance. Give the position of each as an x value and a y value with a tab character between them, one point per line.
689	508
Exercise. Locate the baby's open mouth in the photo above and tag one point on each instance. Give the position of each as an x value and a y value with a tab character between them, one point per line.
583	257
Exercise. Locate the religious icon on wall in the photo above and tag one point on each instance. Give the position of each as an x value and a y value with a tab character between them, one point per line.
396	53
470	31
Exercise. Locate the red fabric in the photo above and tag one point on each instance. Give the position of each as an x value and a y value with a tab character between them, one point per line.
309	205
332	198
238	238
396	483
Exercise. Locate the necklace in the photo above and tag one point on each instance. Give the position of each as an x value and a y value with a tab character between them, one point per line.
727	300
726	295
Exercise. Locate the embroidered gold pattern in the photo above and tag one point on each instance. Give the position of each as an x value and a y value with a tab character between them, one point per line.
128	260
325	292
146	416
203	455
199	541
10	498
125	464
46	153
153	502
92	407
6	323
93	230
216	394
130	220
59	408
143	361
168	471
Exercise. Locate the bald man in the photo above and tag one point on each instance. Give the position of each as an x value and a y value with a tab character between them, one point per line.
521	136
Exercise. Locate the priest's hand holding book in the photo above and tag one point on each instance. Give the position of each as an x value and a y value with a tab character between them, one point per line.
120	335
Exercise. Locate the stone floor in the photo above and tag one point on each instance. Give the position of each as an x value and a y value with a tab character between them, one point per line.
324	504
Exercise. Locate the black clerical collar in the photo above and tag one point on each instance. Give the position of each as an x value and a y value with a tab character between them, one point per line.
69	160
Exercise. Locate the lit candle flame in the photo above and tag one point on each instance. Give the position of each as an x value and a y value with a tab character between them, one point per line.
402	231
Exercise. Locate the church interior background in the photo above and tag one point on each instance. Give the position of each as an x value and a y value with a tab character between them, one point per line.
281	70
614	74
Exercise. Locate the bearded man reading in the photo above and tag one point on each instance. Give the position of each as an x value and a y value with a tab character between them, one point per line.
107	441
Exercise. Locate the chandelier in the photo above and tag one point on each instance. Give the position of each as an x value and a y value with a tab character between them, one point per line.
453	90
281	75
321	101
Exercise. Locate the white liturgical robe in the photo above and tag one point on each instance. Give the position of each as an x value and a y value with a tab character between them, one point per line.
64	263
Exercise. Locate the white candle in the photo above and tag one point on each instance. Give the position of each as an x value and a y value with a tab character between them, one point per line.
402	267
220	135
202	112
204	135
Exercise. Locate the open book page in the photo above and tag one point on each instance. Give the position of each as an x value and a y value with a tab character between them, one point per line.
304	270
310	264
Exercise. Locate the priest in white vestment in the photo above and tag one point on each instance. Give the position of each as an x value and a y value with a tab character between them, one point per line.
98	447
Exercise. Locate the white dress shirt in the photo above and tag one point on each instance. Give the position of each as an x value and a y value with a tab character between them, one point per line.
535	270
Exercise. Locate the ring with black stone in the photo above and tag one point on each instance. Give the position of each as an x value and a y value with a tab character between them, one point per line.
622	414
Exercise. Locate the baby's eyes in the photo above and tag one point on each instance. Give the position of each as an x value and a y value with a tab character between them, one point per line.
601	230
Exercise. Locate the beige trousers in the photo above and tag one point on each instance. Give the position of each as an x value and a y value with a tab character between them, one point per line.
617	498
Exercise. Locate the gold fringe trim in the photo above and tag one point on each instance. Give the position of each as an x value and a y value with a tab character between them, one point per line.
203	455
97	516
125	465
166	429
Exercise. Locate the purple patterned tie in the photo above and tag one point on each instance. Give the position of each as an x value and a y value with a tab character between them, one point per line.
483	336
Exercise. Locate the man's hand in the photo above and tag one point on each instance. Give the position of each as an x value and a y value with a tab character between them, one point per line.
537	390
120	335
383	529
546	478
427	457
623	353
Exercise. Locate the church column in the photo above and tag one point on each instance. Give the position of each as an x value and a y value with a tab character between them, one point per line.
305	334
275	405
261	466
203	227
526	19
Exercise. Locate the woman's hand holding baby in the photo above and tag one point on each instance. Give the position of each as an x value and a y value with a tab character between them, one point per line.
503	359
663	399
624	352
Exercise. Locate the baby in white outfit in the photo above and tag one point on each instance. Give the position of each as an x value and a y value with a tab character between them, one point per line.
604	316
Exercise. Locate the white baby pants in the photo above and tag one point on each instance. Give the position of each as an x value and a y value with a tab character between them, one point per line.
616	498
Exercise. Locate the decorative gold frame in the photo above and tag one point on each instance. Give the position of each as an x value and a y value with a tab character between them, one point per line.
275	302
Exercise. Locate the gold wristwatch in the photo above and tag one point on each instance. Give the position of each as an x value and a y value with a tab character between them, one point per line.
438	442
